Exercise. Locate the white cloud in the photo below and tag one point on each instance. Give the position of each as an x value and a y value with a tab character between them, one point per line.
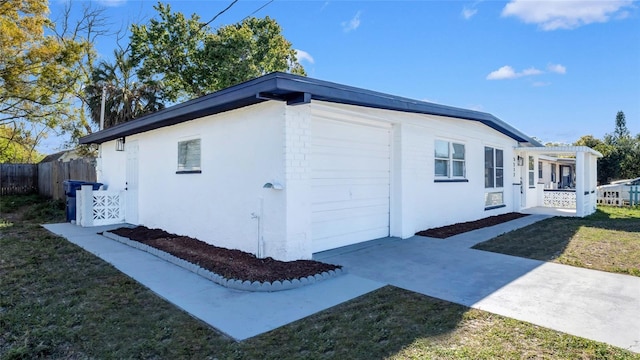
507	72
531	71
467	13
565	14
352	24
304	56
557	68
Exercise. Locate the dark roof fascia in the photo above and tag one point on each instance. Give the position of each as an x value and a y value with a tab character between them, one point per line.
337	93
282	86
224	100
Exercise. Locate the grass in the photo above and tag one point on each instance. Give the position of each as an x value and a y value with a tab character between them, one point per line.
59	301
608	240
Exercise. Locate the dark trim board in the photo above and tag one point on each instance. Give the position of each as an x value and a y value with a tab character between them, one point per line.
294	89
451	180
494	207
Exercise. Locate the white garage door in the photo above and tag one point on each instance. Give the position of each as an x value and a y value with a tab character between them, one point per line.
350	183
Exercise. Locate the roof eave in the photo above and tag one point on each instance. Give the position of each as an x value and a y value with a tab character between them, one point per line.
283	86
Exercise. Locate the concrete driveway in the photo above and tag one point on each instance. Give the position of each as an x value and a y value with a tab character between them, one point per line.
592	304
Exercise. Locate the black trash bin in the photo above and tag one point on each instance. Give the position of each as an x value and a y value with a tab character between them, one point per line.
70	188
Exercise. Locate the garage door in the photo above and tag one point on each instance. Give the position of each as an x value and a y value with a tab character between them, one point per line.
350	174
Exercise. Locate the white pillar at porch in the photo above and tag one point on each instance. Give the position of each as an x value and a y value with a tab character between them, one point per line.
581	183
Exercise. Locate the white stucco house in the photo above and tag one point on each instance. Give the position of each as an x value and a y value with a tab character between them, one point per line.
286	166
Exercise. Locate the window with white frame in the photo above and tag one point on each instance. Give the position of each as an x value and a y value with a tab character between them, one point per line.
449	160
532	165
493	176
189	156
540	170
493	167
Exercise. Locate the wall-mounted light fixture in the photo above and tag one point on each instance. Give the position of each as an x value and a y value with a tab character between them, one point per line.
520	161
120	144
274	186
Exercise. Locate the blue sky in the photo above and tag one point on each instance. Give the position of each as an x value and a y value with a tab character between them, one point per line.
556	70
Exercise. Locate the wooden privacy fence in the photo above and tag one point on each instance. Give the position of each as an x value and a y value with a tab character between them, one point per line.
51	176
45	178
18	179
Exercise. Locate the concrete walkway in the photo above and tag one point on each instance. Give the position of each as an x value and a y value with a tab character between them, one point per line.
238	314
592	304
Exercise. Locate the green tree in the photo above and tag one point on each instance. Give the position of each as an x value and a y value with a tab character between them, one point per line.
621	152
590	141
168	49
249	49
621	132
188	60
125	97
86	28
18	145
37	72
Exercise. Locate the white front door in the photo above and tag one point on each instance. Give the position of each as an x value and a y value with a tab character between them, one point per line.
131	214
350	172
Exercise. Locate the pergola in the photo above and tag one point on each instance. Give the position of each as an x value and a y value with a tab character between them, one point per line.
586	166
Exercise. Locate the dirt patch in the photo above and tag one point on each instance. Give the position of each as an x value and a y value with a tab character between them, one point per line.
232	264
459	228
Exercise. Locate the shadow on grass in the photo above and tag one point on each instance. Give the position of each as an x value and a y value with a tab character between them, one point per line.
373	326
58	301
599	241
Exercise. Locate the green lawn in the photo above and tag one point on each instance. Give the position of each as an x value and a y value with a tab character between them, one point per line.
608	240
59	301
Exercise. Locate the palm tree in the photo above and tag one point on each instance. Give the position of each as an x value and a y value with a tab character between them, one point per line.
126	98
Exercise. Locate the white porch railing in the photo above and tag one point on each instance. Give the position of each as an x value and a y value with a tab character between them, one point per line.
562	199
99	207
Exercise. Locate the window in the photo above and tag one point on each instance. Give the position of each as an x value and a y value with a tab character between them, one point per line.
449	159
493	168
539	169
493	177
189	156
553	173
531	171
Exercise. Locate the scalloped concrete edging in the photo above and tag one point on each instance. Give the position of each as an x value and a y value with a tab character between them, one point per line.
236	284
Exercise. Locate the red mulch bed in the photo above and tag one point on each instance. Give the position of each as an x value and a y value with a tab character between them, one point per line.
232	264
455	229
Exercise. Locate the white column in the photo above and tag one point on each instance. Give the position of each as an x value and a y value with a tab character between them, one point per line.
84	206
580	183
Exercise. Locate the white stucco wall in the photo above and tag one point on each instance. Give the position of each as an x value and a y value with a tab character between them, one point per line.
110	166
241	150
417	202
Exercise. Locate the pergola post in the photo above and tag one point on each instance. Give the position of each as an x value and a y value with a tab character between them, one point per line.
581	183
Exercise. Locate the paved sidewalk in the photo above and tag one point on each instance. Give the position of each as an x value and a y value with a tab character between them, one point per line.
592	304
239	314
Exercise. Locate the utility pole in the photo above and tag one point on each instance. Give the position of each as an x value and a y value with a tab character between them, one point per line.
102	105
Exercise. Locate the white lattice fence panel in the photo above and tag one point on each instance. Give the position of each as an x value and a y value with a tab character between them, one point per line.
610	197
107	208
560	199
